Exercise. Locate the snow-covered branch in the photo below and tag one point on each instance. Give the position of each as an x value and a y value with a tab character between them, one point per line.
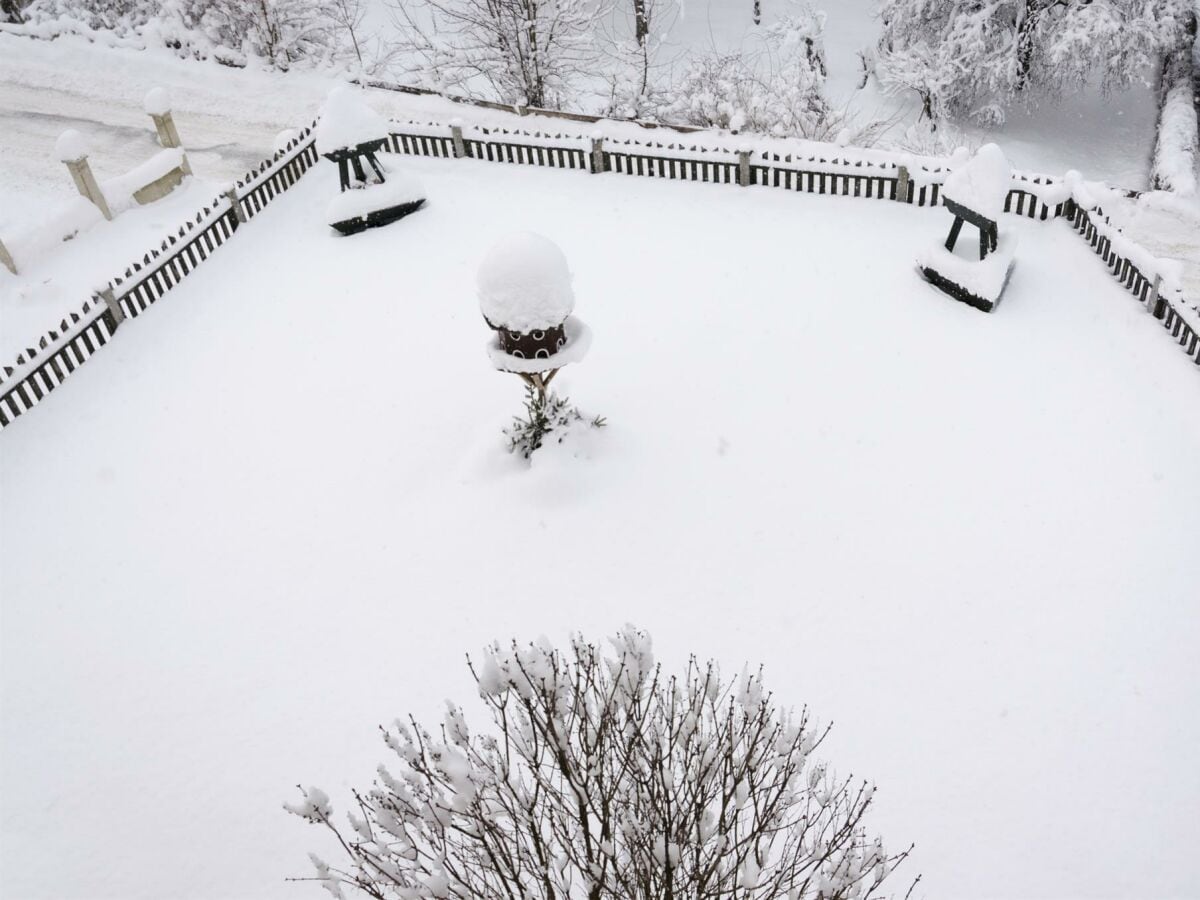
601	777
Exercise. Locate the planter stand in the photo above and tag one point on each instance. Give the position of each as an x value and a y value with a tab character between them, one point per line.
983	183
359	170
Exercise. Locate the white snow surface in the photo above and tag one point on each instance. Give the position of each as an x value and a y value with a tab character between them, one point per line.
71	146
157	102
982	183
276	511
984	278
347	120
524	283
360	201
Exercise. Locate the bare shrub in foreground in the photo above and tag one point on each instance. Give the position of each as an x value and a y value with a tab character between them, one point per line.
601	778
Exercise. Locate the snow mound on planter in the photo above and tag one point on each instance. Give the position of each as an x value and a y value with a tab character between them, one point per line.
524	284
398	190
71	146
982	184
347	120
579	339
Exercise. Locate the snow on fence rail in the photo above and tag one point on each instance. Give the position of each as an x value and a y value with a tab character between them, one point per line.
902	179
1120	255
59	352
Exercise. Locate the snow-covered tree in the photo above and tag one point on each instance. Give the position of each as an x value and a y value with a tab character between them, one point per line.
973	57
779	91
1177	147
279	32
601	778
527	52
366	48
10	11
636	88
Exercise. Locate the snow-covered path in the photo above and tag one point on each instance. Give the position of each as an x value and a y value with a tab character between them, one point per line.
228	120
220	148
276	512
1169	227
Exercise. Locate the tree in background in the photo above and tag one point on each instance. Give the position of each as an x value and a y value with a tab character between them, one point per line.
636	83
601	778
975	57
779	91
281	33
10	11
368	51
528	52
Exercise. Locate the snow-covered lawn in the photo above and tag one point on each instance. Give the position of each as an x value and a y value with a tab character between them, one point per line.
276	511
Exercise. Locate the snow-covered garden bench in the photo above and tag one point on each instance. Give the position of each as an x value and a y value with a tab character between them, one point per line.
976	194
352	135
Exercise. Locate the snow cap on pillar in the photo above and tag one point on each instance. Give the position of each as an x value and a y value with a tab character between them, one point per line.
71	146
157	102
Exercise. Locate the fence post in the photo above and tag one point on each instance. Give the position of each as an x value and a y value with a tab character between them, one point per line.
1155	305
114	306
164	125
6	259
85	183
744	168
903	184
597	155
460	149
239	215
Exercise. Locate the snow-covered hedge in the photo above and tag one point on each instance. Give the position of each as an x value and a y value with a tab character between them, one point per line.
279	33
1178	144
782	94
976	59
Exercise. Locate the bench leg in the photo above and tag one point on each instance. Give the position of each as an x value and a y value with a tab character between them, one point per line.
954	230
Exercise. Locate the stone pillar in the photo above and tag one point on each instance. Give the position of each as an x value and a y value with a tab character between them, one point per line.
460	149
168	135
744	168
86	183
903	184
6	259
597	155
